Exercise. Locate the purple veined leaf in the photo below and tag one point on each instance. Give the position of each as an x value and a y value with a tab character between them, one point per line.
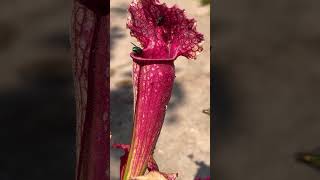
90	55
165	33
101	7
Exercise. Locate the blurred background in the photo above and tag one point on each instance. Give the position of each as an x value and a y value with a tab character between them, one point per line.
184	142
267	71
37	131
37	108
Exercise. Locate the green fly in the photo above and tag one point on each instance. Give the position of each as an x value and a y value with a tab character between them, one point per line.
136	49
160	20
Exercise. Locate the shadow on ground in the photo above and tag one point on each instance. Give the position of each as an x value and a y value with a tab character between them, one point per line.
37	112
116	34
116	31
37	124
203	170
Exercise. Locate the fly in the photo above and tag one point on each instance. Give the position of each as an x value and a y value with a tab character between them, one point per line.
136	49
160	20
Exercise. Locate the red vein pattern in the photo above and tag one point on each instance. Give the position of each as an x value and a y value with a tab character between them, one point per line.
90	55
152	85
165	33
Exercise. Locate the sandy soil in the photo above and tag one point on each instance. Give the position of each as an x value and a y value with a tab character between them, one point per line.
184	143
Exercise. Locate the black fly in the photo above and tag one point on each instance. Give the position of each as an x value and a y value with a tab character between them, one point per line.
160	20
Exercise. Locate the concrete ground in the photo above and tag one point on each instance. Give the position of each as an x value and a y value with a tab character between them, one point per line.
184	143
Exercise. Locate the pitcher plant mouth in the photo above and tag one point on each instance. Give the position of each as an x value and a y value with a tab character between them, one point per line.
140	59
